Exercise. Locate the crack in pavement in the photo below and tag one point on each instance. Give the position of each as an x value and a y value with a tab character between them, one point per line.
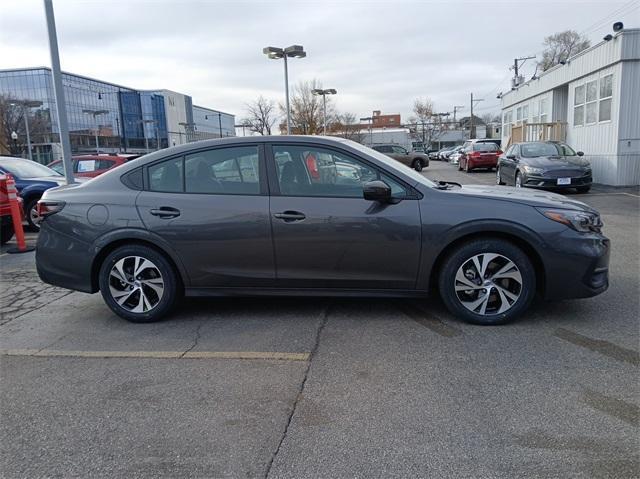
195	340
314	349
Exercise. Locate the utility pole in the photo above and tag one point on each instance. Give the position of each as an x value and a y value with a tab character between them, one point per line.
455	110
471	126
516	65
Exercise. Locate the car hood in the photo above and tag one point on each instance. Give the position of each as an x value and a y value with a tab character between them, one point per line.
536	198
551	163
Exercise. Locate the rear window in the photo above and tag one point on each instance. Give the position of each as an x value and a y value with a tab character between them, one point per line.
485	147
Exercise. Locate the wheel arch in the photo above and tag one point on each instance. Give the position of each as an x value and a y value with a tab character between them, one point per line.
108	245
525	244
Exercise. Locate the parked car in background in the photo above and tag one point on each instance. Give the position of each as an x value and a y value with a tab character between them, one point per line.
215	217
454	157
415	160
432	154
495	141
444	151
455	149
32	180
479	155
90	166
6	220
547	164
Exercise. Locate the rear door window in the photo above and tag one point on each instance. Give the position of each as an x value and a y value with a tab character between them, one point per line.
233	170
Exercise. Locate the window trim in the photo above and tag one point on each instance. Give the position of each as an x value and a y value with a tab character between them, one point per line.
262	171
274	185
601	99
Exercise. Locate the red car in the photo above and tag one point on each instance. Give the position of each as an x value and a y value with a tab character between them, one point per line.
479	155
90	166
6	222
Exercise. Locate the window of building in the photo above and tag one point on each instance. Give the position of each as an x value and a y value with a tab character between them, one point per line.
578	105
506	128
591	109
606	92
543	110
518	115
311	171
525	113
221	171
535	112
166	176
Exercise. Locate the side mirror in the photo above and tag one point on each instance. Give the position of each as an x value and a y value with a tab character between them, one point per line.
580	153
377	191
511	157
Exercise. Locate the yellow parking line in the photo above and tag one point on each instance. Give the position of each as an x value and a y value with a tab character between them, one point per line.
255	355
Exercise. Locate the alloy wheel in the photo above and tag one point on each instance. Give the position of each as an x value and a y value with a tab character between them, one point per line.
518	180
34	217
488	284
498	180
136	284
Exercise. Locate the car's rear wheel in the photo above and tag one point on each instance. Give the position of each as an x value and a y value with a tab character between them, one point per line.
460	165
498	177
138	283
6	231
417	164
487	281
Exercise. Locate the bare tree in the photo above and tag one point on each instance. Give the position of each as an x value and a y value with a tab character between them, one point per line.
491	118
12	118
306	109
422	119
260	116
560	46
346	125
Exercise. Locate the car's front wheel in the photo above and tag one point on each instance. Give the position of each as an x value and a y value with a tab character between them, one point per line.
498	177
33	218
518	180
417	164
487	281
138	283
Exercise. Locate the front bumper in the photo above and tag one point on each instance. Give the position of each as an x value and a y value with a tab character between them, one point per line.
535	181
576	265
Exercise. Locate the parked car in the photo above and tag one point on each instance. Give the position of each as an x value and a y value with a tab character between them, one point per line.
32	180
6	220
454	157
495	141
215	217
415	160
433	154
544	165
455	149
478	155
90	166
444	151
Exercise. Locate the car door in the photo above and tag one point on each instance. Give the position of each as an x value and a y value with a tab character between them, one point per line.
508	165
326	235
400	154
212	206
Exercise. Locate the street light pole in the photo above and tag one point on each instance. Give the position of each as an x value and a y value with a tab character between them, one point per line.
58	92
96	114
275	53
324	93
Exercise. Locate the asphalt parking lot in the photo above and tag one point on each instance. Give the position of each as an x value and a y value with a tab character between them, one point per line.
318	387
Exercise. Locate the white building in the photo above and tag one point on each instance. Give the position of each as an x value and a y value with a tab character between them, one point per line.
596	93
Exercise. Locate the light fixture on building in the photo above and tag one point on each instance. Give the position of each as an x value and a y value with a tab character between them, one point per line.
607	37
618	26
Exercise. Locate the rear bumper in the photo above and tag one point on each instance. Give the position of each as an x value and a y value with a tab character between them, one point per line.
64	261
576	266
491	163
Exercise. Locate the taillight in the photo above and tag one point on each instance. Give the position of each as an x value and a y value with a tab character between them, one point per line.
475	154
49	207
312	166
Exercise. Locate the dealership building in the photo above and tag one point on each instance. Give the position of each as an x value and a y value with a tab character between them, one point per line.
592	102
118	118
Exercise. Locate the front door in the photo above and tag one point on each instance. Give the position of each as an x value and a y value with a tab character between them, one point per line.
326	235
212	207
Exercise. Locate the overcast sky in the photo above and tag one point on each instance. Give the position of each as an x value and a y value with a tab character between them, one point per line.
377	54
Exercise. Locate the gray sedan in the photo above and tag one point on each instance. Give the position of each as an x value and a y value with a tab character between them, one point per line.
312	216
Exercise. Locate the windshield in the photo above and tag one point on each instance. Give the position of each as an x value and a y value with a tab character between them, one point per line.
26	168
392	164
534	149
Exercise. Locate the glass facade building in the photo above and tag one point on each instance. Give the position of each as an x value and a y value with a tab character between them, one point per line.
120	118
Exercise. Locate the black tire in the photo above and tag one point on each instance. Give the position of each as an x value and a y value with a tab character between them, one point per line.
171	292
515	181
30	205
583	189
499	177
466	167
6	231
461	256
417	164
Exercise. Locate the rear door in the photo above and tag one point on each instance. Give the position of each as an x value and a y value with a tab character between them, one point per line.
212	207
326	235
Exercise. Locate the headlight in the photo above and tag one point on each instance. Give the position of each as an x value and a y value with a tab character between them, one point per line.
581	221
533	170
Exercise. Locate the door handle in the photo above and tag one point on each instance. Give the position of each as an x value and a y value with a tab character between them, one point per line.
289	216
165	212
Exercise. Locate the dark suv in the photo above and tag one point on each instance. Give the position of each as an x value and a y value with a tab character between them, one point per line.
416	160
310	216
